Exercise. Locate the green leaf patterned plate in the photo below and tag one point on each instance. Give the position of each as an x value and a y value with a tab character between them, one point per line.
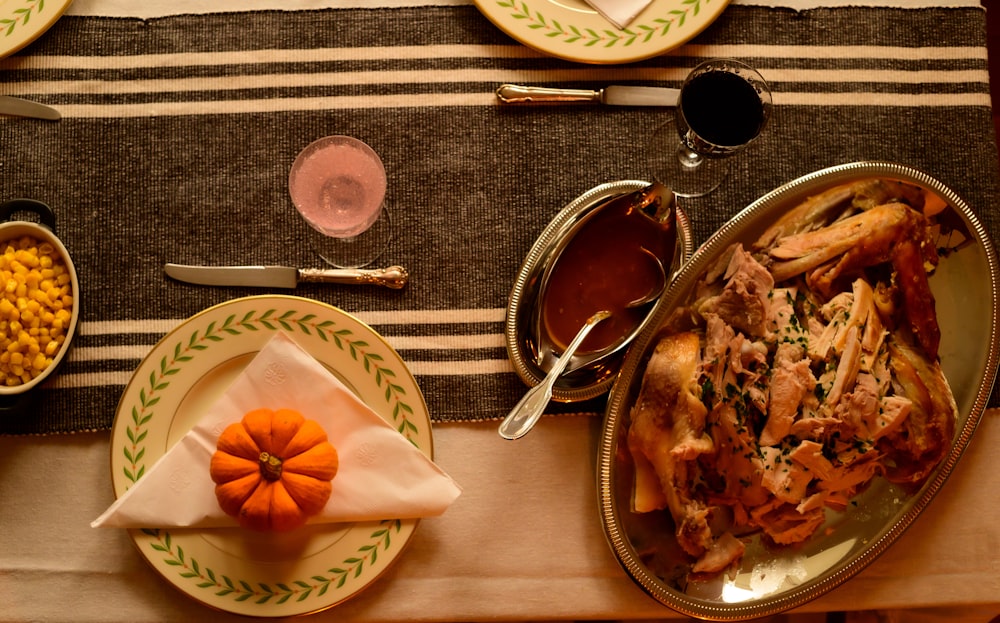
572	30
23	21
262	574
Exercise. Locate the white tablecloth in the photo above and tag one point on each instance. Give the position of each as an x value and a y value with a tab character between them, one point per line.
524	541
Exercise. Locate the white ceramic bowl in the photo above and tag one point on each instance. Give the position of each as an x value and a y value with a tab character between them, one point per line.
12	229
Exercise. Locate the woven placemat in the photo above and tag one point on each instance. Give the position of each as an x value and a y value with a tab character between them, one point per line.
179	132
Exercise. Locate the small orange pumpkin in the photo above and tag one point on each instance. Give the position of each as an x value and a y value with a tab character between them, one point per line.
272	470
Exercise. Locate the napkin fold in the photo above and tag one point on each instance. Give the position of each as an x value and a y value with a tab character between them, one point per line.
621	13
381	474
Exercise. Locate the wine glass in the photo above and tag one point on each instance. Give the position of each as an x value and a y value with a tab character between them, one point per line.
338	185
724	105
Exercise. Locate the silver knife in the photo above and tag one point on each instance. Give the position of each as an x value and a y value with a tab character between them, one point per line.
26	108
612	95
394	277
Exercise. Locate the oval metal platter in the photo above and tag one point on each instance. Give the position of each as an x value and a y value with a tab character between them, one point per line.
769	580
519	333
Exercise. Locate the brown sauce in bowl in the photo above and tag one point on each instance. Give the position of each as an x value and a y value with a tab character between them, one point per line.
604	266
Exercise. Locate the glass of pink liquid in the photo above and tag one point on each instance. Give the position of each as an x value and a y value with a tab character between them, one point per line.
338	185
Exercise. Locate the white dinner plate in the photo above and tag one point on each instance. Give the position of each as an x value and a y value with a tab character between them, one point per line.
572	30
23	21
239	571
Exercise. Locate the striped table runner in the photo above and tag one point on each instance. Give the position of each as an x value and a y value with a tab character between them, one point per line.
178	133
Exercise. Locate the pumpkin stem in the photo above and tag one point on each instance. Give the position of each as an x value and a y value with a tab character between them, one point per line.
270	466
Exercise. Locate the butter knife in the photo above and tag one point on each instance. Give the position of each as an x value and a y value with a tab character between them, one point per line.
18	107
614	95
394	277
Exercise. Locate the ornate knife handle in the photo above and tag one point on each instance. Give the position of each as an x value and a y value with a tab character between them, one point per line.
394	277
516	94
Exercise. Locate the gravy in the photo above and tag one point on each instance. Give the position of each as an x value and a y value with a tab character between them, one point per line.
604	267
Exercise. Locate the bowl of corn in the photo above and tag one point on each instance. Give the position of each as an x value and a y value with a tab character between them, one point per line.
39	306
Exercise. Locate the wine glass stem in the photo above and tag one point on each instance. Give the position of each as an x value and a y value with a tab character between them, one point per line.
689	159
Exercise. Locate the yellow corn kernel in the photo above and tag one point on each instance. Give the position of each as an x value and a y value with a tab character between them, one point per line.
36	300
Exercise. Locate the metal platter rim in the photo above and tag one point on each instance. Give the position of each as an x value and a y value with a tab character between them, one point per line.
627	379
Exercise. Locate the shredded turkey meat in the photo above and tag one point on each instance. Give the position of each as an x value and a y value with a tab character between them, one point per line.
803	367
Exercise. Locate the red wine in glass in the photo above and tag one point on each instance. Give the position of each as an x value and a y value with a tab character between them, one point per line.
723	106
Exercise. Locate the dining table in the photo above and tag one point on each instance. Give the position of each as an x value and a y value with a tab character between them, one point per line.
180	120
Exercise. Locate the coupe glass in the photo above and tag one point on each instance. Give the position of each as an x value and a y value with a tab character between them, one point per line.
338	185
723	106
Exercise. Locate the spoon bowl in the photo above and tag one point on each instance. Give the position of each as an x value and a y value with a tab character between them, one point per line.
657	289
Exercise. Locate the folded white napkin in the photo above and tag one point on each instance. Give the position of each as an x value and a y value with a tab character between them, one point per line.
381	475
621	13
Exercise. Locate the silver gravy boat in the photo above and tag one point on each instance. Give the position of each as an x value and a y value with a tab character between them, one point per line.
530	349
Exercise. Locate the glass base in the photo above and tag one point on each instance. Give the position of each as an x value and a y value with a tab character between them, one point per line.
355	252
684	172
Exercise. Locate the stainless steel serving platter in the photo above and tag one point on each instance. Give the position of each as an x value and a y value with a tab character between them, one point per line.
520	336
771	580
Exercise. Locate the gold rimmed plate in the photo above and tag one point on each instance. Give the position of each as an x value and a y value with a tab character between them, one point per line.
769	580
572	30
23	21
262	574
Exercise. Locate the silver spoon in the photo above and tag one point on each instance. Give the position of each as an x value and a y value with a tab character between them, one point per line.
657	289
526	412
